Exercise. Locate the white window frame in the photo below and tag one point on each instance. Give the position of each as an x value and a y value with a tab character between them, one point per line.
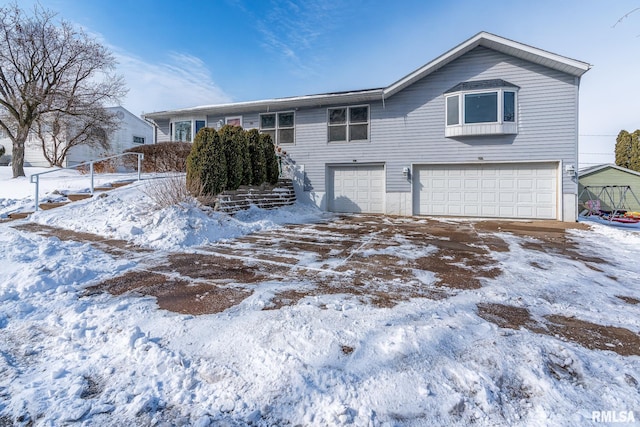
348	124
173	129
233	118
277	128
192	120
499	127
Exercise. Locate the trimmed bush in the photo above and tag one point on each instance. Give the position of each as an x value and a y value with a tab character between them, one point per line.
206	164
161	157
271	160
256	155
229	158
234	153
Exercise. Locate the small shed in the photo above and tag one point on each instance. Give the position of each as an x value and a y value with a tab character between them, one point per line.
616	179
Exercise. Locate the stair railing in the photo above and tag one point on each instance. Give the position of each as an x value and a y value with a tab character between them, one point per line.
35	178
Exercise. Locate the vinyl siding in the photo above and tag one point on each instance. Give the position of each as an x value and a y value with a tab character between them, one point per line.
612	176
409	127
164	131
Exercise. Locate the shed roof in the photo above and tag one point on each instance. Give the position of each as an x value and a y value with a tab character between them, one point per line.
597	168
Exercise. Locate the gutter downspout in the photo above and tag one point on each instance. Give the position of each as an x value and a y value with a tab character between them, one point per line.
155	128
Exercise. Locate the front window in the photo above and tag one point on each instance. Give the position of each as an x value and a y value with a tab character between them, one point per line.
281	126
182	131
138	140
233	121
481	107
348	123
199	125
509	106
486	107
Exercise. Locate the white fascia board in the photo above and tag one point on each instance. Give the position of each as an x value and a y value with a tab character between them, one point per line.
500	44
277	104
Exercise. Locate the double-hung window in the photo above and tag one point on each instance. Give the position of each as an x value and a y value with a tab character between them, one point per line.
281	126
348	123
486	107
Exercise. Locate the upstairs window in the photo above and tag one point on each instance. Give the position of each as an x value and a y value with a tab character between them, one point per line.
281	126
348	123
138	140
483	107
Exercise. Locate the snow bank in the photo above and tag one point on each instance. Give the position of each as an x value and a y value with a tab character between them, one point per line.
327	360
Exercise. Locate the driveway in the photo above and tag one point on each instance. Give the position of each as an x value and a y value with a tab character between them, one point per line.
369	259
377	259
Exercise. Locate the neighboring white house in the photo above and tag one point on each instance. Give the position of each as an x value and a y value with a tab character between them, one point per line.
132	131
487	129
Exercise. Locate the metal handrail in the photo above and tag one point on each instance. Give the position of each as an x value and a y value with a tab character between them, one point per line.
36	181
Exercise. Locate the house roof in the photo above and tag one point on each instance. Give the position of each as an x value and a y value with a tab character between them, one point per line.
481	84
593	169
488	40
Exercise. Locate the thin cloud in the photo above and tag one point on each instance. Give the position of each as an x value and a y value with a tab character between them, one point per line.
295	30
183	80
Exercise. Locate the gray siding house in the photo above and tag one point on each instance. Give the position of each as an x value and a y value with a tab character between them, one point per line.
488	129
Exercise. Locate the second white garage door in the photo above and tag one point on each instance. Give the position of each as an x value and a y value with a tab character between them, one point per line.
526	190
356	189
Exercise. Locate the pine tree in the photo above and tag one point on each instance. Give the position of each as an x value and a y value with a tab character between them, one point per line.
234	155
271	160
623	149
256	154
206	165
241	139
634	157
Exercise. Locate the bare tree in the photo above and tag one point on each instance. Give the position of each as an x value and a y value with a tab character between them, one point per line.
48	67
58	132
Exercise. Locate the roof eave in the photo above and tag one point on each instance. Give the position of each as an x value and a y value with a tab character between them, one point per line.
500	44
276	104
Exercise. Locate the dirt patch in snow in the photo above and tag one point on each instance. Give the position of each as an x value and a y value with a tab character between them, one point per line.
177	295
587	334
629	300
111	246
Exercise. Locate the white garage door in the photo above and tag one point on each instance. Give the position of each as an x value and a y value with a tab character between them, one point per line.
356	189
497	190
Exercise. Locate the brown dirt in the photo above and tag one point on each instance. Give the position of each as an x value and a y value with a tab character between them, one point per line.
172	294
629	300
587	334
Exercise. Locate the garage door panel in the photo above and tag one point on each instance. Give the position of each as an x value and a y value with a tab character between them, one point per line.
356	189
498	190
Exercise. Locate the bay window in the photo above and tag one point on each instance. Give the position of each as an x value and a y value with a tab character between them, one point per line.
486	107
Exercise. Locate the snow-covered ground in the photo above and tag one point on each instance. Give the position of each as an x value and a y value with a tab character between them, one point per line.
327	360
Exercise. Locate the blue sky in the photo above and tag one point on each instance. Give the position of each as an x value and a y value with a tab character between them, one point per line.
188	53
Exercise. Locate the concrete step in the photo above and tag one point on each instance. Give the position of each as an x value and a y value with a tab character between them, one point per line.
119	184
78	196
53	205
19	215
